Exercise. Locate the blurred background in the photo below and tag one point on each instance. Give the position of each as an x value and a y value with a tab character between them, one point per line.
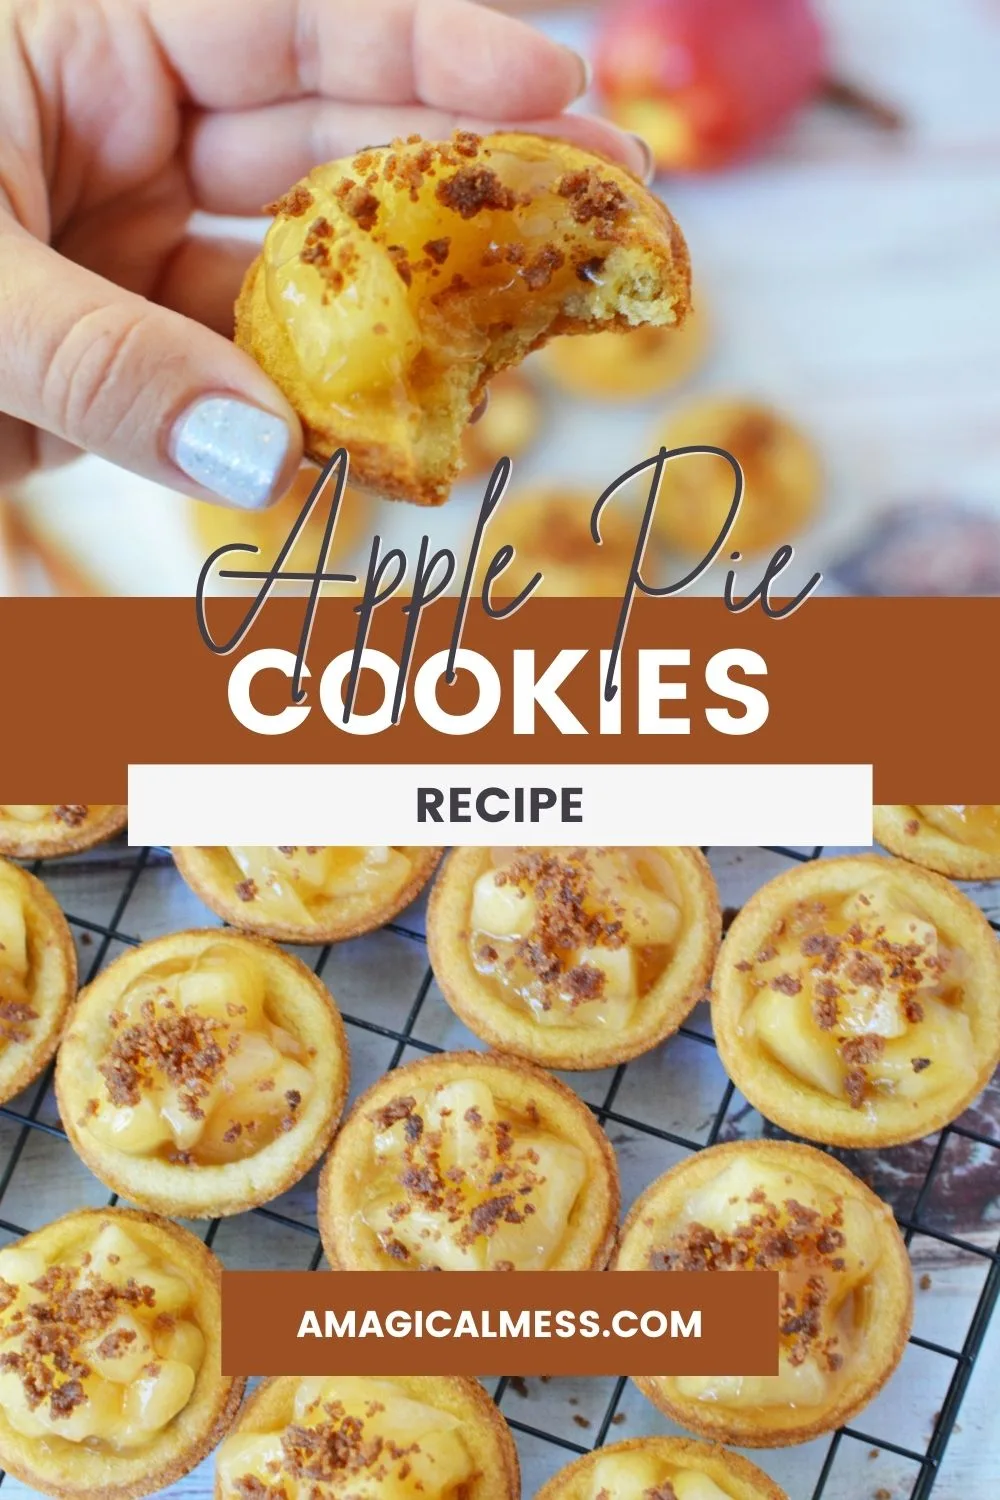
835	166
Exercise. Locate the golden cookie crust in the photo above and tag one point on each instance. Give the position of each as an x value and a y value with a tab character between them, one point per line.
56	836
297	999
590	1239
904	831
659	1013
736	1475
52	958
645	278
342	918
192	1434
796	1105
889	1304
270	1406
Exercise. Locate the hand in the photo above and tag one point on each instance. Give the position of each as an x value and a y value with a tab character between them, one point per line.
120	118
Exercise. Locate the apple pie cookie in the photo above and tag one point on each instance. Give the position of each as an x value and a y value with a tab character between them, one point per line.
202	1073
37	977
781	469
304	894
466	1161
856	1001
110	1355
574	958
846	1288
960	839
395	1438
44	830
393	285
548	526
669	1468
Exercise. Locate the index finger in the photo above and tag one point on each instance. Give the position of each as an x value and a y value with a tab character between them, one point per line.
451	54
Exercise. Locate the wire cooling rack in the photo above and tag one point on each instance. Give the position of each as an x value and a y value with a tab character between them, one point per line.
945	1191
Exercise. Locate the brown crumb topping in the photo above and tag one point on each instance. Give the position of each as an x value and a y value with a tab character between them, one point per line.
472	1201
790	1238
322	1457
16	1017
73	1307
179	1044
474	190
845	966
569	914
70	813
592	200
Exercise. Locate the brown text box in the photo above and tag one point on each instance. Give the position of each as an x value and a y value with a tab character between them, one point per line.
571	1323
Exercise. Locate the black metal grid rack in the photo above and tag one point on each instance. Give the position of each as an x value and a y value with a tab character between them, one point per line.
959	1358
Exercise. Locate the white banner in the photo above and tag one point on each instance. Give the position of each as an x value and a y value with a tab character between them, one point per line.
373	804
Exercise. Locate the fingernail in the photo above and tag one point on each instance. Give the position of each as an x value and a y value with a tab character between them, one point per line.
234	449
648	171
586	71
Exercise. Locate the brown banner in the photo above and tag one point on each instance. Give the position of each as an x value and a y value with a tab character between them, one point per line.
534	1323
90	685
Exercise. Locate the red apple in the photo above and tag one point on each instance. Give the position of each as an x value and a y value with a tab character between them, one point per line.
707	81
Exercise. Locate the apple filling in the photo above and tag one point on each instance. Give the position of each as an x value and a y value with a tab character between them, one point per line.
101	1348
976	825
861	997
293	884
825	1250
642	1474
17	1012
72	814
353	1437
577	937
197	1071
459	1181
390	272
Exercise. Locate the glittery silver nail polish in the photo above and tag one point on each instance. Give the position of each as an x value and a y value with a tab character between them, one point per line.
231	448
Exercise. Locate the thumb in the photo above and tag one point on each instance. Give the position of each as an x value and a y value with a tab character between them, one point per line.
109	372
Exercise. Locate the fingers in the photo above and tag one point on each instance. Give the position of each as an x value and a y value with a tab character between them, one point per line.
239	161
109	372
203	279
450	54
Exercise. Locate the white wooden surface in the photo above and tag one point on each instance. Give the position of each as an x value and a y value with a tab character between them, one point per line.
677	1087
850	276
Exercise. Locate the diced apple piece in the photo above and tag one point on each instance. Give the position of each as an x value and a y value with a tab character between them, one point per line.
690	1485
171	1294
784	1025
801	1385
501	910
227	985
185	1128
870	1010
255	1455
283	900
426	1234
626	1476
27	812
97	1417
14	1404
13	931
944	1036
618	967
20	1266
251	1061
136	1128
650	921
115	1256
448	1110
182	1340
533	1244
121	1350
155	1398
